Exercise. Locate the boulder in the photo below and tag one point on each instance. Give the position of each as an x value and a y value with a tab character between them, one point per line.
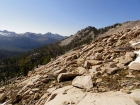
120	65
2	89
129	56
123	48
98	49
124	61
109	69
135	66
112	70
2	97
94	62
84	82
66	77
137	46
35	90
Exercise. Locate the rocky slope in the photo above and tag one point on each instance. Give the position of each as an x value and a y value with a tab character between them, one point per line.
92	32
119	27
88	32
99	73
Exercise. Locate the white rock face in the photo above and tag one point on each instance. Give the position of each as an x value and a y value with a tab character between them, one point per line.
135	95
75	96
135	65
108	98
84	82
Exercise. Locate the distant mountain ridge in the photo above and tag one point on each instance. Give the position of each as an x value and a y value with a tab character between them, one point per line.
26	41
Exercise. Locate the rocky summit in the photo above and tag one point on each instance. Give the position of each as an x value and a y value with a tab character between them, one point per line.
104	72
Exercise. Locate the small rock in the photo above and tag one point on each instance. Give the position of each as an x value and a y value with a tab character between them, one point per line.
94	69
80	62
120	65
97	74
130	75
98	80
36	96
98	56
24	102
50	90
125	91
82	70
35	90
101	89
87	64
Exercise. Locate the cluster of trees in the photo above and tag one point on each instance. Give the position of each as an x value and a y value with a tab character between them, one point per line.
5	53
20	65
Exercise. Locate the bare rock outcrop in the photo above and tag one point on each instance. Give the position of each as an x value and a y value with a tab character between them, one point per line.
78	97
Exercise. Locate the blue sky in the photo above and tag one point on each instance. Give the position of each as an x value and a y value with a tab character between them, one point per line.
64	17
